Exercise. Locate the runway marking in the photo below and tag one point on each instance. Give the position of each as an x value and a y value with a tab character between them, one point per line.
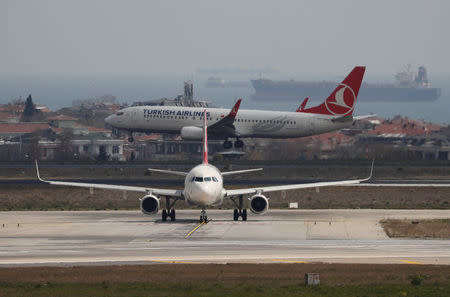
195	229
288	261
173	262
411	262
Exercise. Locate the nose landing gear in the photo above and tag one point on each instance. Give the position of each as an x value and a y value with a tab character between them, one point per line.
203	217
130	137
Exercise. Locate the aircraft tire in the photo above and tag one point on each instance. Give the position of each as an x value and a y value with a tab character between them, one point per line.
164	215
244	214
235	215
238	144
172	214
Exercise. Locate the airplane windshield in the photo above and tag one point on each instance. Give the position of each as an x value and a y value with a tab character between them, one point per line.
204	179
119	113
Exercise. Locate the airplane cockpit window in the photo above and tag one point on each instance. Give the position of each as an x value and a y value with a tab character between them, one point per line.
204	179
119	113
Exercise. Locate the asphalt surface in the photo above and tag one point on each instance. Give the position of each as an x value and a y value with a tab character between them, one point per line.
280	236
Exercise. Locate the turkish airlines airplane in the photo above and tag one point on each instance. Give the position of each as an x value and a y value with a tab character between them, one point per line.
335	113
203	186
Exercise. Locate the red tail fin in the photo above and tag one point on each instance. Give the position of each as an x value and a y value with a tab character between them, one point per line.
343	99
205	139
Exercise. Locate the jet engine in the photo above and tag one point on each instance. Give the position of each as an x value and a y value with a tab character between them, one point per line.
192	133
149	204
259	204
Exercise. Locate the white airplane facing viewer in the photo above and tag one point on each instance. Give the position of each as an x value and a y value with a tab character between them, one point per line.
335	113
203	186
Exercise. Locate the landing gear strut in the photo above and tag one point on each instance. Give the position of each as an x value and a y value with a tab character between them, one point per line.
169	212
239	211
203	217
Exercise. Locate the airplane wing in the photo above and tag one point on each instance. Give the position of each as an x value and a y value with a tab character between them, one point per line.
225	127
163	192
168	171
240	171
236	192
411	184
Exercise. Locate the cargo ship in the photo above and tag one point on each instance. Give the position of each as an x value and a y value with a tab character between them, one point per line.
409	86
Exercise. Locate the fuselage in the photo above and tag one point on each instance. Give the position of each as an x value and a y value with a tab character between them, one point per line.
248	123
203	186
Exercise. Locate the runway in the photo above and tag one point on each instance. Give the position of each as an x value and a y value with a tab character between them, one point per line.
281	236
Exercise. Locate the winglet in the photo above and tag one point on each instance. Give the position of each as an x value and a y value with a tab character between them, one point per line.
371	170
37	171
235	109
205	136
302	106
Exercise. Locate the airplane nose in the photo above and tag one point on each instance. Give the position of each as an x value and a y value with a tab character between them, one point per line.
108	119
203	194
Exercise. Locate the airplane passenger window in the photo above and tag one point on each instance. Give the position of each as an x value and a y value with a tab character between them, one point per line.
198	179
119	113
206	179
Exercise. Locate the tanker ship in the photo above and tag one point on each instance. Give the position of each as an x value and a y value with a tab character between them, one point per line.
409	86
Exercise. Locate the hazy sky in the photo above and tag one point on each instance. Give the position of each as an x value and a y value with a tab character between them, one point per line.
151	37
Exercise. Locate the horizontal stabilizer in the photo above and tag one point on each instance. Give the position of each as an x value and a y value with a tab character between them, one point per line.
367	116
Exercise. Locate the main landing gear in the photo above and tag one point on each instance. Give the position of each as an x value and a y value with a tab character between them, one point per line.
227	144
239	211
203	217
169	212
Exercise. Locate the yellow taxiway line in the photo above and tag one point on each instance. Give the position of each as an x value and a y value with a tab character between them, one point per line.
195	229
288	261
411	262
